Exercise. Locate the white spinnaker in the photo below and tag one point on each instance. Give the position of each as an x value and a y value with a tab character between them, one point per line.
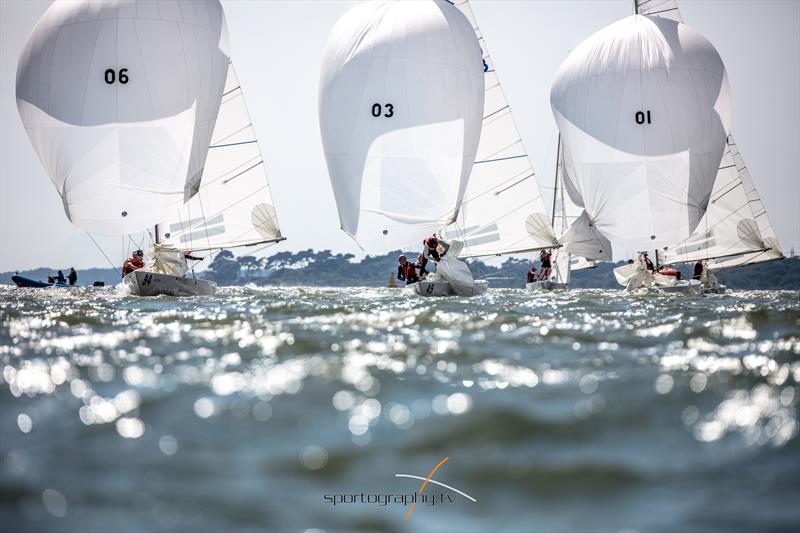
575	231
729	227
643	107
119	100
401	101
503	210
234	205
734	232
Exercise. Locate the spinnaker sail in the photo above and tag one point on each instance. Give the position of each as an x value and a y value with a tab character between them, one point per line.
643	108
119	100
401	102
234	205
735	230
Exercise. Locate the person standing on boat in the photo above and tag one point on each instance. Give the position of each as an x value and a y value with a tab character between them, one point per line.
648	264
544	257
698	270
420	265
73	276
406	271
60	278
134	262
431	248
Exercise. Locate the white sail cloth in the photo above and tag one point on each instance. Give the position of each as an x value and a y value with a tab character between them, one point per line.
729	226
234	206
400	104
166	259
643	107
119	100
503	210
457	273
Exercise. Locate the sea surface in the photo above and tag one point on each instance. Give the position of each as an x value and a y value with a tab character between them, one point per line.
293	409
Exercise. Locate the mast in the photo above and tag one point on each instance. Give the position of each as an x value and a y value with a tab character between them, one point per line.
155	230
555	182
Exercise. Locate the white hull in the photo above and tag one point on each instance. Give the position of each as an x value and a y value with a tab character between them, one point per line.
143	283
537	286
442	288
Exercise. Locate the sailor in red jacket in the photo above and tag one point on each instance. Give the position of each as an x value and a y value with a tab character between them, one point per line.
406	271
134	262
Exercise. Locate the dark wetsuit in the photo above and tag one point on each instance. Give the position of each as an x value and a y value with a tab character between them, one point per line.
698	270
73	277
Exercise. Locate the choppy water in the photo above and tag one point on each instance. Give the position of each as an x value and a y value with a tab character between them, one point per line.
586	410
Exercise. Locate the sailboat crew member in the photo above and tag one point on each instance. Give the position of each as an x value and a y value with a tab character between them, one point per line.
532	274
430	250
72	276
134	262
698	270
420	264
406	271
544	257
647	263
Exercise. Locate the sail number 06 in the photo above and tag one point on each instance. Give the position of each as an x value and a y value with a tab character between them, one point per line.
641	117
112	76
377	110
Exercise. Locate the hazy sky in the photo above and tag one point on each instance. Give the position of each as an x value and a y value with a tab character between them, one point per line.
277	48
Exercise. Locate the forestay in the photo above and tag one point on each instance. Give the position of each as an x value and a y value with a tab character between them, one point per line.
503	210
401	101
234	205
119	100
643	108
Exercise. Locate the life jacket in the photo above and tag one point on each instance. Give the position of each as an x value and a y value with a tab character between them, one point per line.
410	273
669	272
131	264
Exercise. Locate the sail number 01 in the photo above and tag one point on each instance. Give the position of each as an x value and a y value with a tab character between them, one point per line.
641	117
111	76
377	110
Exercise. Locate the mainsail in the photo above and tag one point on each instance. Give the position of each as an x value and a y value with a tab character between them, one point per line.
643	108
503	210
234	206
119	100
401	102
732	226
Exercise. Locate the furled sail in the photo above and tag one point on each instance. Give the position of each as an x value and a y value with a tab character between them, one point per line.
401	102
729	227
119	100
234	205
643	108
503	210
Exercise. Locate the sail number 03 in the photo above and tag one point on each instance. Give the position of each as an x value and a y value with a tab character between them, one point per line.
642	117
377	110
111	76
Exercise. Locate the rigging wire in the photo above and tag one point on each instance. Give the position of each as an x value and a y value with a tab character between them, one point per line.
101	250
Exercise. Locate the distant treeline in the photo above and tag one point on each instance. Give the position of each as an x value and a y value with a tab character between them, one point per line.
325	268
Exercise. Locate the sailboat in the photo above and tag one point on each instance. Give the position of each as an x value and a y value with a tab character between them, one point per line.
643	108
735	230
503	211
591	245
401	109
121	101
